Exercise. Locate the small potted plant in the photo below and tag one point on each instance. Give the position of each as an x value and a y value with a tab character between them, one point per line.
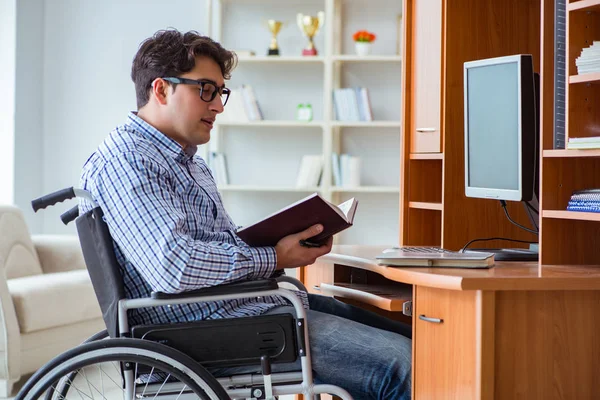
362	42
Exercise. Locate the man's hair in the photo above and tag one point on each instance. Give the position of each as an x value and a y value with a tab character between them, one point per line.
172	53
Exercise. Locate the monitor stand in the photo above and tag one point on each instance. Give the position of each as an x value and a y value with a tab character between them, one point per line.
514	254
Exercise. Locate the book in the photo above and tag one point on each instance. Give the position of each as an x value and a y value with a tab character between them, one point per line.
299	216
401	258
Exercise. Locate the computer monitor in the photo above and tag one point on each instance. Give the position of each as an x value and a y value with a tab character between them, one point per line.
502	136
500	128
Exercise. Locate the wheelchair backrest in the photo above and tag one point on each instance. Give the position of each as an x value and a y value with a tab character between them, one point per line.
102	265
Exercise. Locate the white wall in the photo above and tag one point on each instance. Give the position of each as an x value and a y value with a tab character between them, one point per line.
87	90
28	151
8	10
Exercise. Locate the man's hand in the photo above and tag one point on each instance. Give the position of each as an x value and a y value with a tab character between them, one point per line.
291	254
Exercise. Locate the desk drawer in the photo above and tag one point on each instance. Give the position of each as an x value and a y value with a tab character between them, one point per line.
444	344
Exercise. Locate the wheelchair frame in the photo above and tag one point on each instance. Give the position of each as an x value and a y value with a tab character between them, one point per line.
237	386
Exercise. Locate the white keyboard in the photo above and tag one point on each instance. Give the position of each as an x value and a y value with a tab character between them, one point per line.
418	249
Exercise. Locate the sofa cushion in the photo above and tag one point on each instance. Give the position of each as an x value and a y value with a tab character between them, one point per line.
51	300
18	257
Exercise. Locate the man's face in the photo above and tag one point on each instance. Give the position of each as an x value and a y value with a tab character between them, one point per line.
190	117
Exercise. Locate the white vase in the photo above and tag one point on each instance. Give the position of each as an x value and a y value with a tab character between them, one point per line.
362	48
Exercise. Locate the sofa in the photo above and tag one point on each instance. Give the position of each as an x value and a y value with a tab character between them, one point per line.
47	302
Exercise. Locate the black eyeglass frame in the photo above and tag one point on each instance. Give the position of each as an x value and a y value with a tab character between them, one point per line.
185	81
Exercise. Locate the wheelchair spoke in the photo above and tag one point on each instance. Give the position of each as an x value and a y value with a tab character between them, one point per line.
180	393
161	386
147	382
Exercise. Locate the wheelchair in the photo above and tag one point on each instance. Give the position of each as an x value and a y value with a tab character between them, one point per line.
172	361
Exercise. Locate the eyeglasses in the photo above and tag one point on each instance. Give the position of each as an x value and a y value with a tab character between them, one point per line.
208	89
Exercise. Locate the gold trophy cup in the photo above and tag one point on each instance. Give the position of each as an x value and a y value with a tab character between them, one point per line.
274	27
309	27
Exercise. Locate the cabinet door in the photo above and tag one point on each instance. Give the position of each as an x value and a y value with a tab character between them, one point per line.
426	76
444	344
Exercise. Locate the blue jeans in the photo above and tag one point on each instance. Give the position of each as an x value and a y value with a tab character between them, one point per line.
360	351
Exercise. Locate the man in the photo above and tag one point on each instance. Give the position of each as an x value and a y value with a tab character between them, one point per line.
172	234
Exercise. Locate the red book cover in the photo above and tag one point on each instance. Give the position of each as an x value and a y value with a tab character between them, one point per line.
299	216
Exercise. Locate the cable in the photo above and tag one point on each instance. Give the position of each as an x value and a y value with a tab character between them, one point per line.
532	208
493	238
532	218
503	203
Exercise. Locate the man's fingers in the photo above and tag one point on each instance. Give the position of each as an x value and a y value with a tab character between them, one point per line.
310	232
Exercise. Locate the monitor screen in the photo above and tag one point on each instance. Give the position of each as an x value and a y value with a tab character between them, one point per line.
499	113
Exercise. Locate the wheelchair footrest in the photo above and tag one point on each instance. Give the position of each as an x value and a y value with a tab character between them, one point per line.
230	341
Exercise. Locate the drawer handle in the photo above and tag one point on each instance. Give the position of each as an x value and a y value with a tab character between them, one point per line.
426	129
428	319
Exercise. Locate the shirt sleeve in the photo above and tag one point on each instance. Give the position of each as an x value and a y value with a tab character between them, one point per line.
146	220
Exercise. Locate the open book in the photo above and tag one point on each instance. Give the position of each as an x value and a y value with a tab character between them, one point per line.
299	216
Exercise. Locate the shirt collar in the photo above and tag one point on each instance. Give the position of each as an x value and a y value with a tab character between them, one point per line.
160	139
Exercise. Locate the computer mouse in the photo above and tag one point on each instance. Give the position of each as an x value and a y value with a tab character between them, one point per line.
393	249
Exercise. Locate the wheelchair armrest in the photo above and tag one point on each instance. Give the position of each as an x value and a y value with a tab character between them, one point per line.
231	288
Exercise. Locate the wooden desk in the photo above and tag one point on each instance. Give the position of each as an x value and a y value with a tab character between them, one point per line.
509	332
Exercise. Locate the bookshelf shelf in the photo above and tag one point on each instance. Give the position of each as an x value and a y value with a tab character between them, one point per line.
592	77
584	5
366	124
354	58
571	153
365	189
421	205
281	59
275	123
259	188
426	156
571	215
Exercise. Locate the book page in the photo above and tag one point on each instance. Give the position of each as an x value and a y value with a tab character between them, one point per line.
347	207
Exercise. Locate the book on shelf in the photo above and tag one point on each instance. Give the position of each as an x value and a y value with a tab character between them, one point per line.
299	216
352	104
346	170
589	60
584	142
401	258
242	106
310	171
218	164
587	200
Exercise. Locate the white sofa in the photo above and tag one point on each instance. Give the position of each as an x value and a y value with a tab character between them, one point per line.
47	302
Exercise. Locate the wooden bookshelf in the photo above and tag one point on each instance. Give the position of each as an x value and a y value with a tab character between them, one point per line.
572	237
440	37
584	5
571	153
562	214
426	206
593	77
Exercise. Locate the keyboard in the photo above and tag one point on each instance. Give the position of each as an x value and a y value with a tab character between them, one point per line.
418	249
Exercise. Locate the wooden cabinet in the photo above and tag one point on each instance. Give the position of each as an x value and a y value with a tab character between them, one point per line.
444	344
427	76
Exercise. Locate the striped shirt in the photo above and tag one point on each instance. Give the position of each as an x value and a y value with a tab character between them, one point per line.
170	230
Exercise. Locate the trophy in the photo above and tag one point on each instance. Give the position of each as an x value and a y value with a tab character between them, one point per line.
309	27
274	27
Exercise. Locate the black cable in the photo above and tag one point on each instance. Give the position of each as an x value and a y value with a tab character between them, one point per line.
532	218
493	238
503	203
532	208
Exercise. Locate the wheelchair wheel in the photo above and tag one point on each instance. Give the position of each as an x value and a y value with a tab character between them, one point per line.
123	369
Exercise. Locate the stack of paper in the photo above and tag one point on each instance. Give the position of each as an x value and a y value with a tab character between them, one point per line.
589	60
